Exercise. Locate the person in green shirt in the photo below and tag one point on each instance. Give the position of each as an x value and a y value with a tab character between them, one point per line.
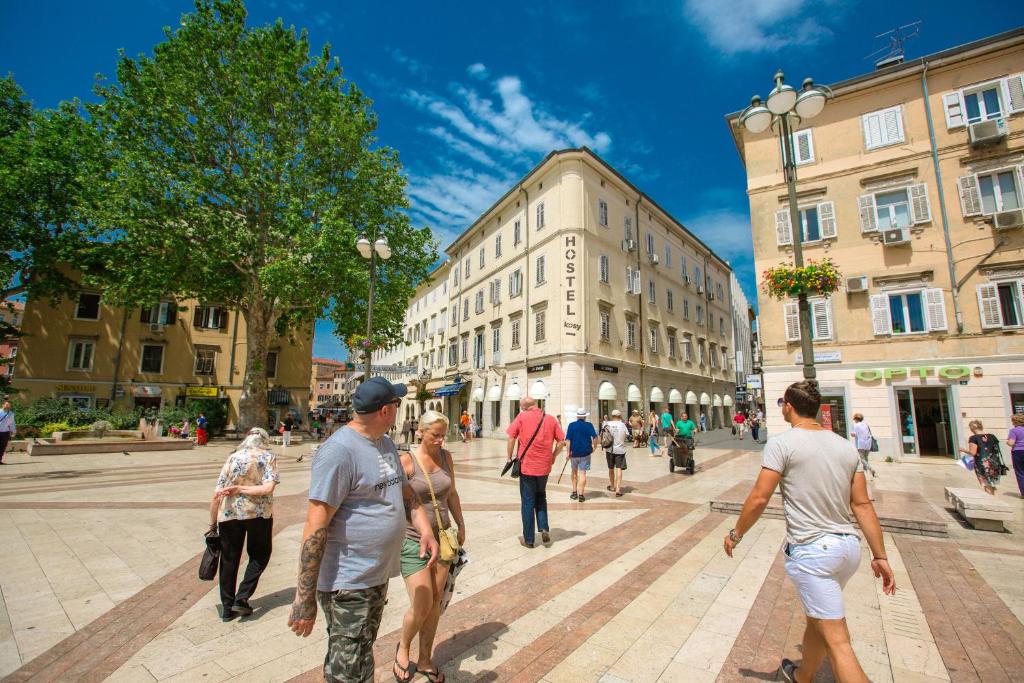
685	427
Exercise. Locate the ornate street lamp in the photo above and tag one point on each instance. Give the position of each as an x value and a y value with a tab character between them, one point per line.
379	249
783	103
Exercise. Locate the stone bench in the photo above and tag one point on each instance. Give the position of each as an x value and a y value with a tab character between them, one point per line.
981	510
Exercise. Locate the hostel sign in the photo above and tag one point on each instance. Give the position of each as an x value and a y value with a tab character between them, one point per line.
924	371
570	324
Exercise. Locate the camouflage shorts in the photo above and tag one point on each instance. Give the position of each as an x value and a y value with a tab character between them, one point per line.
353	617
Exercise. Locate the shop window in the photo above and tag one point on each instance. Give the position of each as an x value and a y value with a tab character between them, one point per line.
88	306
496	414
152	359
81	353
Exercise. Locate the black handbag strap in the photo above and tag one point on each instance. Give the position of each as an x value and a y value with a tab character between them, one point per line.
535	433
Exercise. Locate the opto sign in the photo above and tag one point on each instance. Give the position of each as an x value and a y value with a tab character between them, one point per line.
948	372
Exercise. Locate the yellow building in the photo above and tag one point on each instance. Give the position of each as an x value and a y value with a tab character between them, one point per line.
579	290
912	181
96	355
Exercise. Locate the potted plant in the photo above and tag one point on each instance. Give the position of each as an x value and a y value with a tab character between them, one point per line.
817	278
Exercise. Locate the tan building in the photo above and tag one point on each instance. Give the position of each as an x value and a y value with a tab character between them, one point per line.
323	387
577	289
11	313
912	181
96	355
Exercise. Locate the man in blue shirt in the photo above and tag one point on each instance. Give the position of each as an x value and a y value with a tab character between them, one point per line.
582	439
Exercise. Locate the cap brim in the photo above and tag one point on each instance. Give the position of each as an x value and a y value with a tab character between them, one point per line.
400	390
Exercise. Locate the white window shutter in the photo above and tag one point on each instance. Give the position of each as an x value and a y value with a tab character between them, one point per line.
783	231
988	306
636	281
791	313
827	220
892	123
868	219
1015	92
803	146
935	307
821	313
970	195
881	322
953	106
920	209
872	130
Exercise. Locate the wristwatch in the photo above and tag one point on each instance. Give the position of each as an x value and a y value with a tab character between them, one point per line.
734	537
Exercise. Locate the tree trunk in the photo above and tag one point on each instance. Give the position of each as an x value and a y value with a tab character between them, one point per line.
252	407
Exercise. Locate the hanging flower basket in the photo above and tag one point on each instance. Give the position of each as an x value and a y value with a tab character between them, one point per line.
360	343
817	278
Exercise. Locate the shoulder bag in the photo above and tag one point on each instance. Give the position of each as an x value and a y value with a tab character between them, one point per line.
211	556
447	538
607	438
518	462
874	442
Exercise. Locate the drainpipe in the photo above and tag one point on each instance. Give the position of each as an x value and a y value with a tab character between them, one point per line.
953	286
525	331
117	358
234	341
642	327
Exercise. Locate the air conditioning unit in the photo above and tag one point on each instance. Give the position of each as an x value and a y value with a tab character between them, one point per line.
987	132
1007	220
686	279
711	295
896	236
653	259
156	328
857	284
629	245
700	289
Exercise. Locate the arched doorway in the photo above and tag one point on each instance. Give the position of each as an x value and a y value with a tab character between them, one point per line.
657	399
634	400
675	402
513	395
539	392
606	396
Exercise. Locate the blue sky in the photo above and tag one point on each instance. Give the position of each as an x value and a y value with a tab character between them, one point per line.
474	94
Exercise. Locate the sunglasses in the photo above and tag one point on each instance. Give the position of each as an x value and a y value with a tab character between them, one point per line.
780	402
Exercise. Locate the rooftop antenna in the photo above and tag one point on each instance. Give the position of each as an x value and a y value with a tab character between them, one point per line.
893	53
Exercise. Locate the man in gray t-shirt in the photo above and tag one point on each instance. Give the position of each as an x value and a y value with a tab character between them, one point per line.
822	481
355	525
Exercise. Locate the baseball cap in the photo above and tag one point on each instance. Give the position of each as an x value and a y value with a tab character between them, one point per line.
375	393
616	413
581	413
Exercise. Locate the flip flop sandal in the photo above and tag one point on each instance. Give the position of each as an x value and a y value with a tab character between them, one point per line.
408	671
610	488
434	676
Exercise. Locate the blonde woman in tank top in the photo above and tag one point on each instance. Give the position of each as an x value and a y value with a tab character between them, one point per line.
426	584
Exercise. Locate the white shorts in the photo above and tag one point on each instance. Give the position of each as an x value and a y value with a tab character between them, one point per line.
820	569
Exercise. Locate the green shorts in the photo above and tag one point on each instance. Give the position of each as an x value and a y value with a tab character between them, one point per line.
411	560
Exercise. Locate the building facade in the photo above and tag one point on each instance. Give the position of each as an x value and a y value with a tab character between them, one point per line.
324	389
93	354
11	313
912	181
578	290
742	317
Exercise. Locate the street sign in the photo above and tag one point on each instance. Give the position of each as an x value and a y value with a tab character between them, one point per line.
753	382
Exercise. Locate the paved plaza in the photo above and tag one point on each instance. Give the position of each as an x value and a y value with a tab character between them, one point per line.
100	553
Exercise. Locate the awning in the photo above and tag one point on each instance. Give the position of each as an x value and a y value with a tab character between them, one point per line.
539	390
675	396
146	390
727	401
606	392
717	401
657	395
691	398
478	395
514	392
705	400
449	389
494	393
633	393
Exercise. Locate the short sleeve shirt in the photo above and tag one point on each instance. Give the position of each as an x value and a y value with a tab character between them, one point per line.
619	435
247	467
685	427
580	435
739	418
666	420
363	479
536	461
1017	434
817	469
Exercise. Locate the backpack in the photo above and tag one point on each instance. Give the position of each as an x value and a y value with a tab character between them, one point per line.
607	438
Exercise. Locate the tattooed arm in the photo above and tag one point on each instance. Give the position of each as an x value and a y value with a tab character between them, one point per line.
420	522
314	539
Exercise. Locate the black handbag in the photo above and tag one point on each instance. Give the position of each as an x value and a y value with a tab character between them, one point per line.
211	556
517	463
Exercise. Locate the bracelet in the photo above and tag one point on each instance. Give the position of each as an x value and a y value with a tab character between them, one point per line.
879	558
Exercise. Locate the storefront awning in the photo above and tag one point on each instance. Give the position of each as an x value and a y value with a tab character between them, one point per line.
691	398
727	400
705	400
449	389
606	392
494	393
633	393
717	401
478	395
657	395
539	390
514	392
675	396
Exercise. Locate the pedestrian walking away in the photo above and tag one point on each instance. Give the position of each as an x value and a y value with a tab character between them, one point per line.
581	438
862	439
464	425
984	448
667	424
821	477
412	432
242	513
201	434
407	430
703	422
1016	443
287	425
755	427
431	474
7	428
616	455
739	420
360	504
540	439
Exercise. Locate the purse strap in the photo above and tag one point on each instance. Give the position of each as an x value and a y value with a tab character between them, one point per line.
430	487
540	424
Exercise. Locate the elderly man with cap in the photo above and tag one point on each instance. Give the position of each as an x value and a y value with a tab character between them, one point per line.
582	440
616	455
355	525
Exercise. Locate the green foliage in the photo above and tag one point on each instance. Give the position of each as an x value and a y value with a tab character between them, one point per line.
243	170
101	426
44	411
49	428
817	277
215	410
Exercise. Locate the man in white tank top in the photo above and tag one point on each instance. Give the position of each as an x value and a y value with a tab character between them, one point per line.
821	478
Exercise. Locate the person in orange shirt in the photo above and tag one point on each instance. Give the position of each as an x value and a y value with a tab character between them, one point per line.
464	424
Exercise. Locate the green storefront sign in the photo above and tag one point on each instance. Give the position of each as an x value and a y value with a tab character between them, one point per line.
948	372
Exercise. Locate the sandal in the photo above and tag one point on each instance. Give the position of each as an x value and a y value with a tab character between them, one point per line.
434	676
408	671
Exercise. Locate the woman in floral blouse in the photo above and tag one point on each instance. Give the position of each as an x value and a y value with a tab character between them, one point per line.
243	505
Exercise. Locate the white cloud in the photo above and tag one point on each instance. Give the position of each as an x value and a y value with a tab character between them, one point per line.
728	233
477	70
757	25
413	65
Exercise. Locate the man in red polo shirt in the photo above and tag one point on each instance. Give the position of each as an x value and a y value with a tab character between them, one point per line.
540	440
